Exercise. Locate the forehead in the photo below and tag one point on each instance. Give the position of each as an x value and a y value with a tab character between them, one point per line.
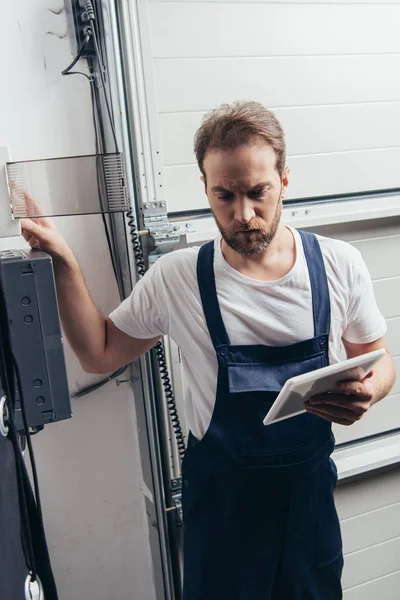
253	163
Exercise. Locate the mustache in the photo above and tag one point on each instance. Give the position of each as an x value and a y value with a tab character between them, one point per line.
254	224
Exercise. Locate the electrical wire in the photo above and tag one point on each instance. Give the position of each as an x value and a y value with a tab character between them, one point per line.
8	381
29	442
81	50
98	384
103	82
159	347
135	240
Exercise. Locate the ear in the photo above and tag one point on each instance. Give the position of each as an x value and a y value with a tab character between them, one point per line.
203	179
285	181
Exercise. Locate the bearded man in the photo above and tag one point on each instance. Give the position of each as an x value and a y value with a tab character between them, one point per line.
261	303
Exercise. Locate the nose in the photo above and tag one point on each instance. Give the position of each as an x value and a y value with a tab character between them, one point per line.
244	211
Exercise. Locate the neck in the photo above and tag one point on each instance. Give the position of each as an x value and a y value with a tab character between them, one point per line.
273	263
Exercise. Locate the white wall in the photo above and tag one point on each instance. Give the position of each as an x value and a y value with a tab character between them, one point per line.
89	467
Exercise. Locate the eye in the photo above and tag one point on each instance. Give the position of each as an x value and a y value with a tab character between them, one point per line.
225	196
256	194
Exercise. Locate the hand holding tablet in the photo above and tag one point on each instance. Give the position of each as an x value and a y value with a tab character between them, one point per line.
297	390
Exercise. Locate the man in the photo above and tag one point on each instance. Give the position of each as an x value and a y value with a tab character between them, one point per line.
260	304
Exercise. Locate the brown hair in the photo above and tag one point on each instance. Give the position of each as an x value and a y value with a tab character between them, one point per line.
233	125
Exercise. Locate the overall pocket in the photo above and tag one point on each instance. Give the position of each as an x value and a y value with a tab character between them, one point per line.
253	387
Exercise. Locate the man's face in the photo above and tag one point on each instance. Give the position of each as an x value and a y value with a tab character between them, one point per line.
245	193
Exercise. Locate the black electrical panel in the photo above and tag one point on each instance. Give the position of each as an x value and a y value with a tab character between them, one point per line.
28	287
78	24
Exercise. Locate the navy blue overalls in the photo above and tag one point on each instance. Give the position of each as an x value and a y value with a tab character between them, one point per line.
259	516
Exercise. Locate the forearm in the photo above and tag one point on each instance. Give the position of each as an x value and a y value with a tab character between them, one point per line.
84	326
383	378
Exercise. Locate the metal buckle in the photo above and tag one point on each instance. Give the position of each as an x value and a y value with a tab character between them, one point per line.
4	416
33	589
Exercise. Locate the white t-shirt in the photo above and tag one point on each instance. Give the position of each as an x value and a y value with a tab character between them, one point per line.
166	301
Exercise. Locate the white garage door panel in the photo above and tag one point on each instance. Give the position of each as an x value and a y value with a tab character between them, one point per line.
309	130
396	387
367	494
379	253
251	29
371	563
371	528
382	417
384	588
283	1
393	333
198	85
313	175
387	294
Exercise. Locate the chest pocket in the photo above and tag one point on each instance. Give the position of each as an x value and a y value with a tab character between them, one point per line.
253	387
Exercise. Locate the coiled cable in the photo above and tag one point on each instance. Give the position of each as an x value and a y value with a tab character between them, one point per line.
159	348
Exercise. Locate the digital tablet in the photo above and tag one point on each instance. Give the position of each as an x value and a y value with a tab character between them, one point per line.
290	401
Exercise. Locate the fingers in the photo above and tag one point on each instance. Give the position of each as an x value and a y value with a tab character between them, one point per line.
29	227
36	235
334	411
33	208
363	389
337	408
341	420
352	404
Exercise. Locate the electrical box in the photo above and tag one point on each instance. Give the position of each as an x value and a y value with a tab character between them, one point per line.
28	285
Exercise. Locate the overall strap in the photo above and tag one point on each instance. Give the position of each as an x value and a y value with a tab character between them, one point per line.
319	284
208	294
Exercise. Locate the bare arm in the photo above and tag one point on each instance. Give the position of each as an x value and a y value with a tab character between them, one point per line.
99	345
354	398
383	375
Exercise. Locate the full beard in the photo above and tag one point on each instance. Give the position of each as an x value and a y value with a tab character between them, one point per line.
251	238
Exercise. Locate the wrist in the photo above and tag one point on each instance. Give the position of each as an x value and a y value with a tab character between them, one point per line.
65	261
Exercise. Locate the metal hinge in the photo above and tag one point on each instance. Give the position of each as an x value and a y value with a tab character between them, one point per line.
165	235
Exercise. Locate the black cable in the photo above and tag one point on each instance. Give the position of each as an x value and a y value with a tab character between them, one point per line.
107	233
78	73
80	53
103	81
159	347
99	384
136	244
8	382
170	397
29	442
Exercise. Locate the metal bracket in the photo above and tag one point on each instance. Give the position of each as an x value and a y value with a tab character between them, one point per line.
176	496
130	380
33	589
165	235
4	416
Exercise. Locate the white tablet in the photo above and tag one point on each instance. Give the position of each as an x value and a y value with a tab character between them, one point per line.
290	401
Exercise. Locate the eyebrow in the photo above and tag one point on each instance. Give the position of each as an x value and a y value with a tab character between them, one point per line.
258	186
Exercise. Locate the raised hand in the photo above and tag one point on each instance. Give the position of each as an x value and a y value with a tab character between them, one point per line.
41	233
